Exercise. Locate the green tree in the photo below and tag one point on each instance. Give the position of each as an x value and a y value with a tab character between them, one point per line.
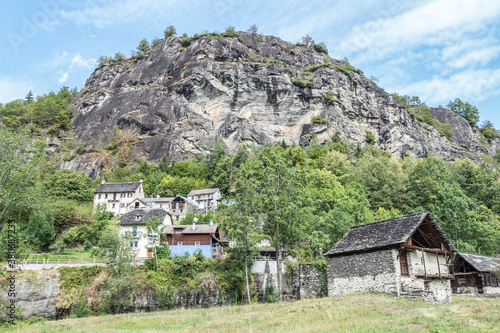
19	175
253	29
239	224
170	31
69	185
154	228
143	47
488	131
275	181
464	109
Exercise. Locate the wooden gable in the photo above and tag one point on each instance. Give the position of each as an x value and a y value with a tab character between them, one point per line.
427	238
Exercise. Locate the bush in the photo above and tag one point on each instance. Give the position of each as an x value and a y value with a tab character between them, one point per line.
170	31
166	297
313	68
301	83
270	291
370	137
80	309
318	120
329	98
320	48
258	38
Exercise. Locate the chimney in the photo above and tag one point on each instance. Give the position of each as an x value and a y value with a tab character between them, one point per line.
211	222
142	179
103	180
194	222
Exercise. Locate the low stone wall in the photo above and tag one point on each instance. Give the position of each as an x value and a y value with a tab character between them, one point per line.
37	292
312	283
491	291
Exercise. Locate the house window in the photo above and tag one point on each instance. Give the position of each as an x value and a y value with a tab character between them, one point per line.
136	243
134	231
161	206
136	205
114	196
403	262
122	205
113	205
122	195
129	195
196	244
138	217
99	196
179	245
105	196
131	244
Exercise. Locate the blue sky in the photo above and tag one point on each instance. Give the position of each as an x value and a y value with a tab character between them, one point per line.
437	50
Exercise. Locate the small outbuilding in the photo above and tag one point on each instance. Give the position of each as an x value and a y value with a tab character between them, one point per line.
476	274
406	256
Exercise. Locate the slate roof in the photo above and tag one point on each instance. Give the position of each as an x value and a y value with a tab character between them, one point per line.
482	263
118	187
188	229
189	201
203	191
129	218
384	234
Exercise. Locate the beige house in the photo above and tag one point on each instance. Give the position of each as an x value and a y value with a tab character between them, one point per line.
117	196
407	256
134	222
206	198
153	203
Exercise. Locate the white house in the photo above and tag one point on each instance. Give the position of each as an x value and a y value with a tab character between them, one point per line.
134	224
117	196
205	198
153	203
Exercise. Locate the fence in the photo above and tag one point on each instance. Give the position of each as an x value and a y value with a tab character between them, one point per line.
44	261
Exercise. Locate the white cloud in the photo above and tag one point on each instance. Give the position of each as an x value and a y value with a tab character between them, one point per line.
474	85
63	78
433	23
107	12
13	88
471	52
79	61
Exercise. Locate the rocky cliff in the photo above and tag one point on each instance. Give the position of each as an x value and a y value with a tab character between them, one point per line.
183	95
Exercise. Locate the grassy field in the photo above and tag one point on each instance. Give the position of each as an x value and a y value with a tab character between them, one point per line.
355	313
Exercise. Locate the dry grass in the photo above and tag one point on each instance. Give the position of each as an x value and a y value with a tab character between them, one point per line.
356	313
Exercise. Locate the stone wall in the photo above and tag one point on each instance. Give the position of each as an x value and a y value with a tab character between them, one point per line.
37	293
367	272
311	282
491	291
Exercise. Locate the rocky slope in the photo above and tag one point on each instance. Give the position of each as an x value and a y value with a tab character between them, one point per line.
180	98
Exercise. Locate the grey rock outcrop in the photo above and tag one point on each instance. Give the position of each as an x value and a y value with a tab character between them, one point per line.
178	99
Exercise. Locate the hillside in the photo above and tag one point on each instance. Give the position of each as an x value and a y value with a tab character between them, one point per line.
185	93
356	313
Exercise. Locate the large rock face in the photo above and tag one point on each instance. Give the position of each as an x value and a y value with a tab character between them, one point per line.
178	99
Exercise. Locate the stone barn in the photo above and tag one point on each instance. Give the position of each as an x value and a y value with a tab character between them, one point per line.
476	274
406	256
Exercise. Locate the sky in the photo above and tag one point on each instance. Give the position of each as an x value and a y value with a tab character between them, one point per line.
437	50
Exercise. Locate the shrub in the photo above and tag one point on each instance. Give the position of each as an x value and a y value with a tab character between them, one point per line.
318	120
329	98
313	68
370	137
258	38
320	48
291	71
166	297
170	31
80	309
301	83
270	291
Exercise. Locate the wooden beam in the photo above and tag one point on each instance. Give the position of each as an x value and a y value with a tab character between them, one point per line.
425	237
439	268
423	258
412	247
